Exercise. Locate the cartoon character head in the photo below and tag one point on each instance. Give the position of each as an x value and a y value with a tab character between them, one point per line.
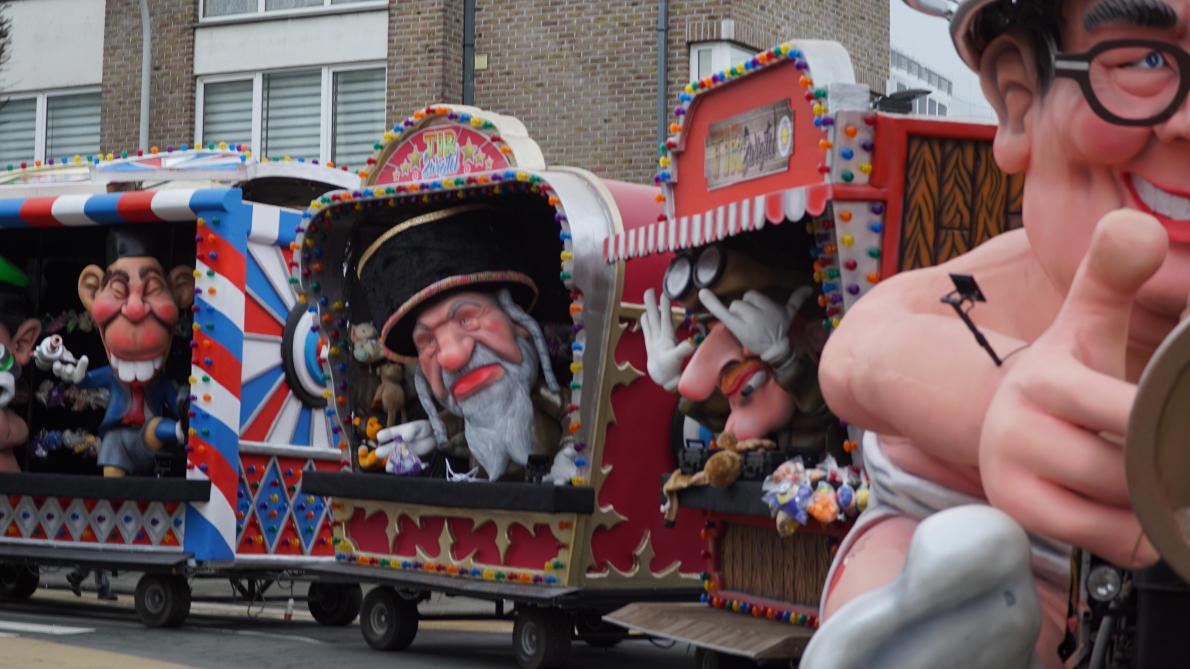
18	329
477	355
1091	100
135	303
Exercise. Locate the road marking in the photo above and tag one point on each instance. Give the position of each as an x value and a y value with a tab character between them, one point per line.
272	635
55	630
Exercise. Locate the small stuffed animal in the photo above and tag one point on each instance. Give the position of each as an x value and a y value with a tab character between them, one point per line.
390	396
365	343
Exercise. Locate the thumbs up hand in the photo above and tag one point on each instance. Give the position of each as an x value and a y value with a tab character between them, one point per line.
1050	451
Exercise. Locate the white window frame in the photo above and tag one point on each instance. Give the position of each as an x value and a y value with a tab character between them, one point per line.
262	14
326	103
724	54
41	114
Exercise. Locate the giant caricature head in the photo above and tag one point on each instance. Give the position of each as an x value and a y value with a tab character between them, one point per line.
456	297
1095	132
18	335
135	303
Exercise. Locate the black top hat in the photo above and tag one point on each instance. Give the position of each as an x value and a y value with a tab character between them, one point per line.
133	242
428	255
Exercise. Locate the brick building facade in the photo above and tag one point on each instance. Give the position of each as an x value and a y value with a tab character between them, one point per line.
581	75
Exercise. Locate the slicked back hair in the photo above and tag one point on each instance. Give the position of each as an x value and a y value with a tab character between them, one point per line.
1038	21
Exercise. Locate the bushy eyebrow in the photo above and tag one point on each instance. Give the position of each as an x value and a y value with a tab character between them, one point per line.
1142	13
454	308
113	274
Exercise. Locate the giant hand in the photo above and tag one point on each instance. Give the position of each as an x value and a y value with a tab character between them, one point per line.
417	436
665	354
51	355
761	325
1050	451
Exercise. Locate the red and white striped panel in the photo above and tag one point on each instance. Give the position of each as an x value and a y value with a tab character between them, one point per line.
716	224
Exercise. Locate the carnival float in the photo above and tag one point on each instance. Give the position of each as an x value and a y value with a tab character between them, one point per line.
168	273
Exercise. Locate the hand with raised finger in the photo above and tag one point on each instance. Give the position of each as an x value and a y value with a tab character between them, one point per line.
418	437
760	324
665	354
1050	452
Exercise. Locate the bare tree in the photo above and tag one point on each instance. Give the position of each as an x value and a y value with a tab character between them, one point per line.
5	33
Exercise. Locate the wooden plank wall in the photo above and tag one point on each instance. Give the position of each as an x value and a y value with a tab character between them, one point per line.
757	561
956	198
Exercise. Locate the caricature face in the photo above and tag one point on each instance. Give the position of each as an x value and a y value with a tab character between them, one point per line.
446	335
1079	166
135	313
758	404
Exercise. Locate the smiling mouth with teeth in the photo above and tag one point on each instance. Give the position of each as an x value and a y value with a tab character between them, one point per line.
1171	209
131	371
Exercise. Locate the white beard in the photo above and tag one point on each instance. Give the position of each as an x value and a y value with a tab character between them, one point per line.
498	420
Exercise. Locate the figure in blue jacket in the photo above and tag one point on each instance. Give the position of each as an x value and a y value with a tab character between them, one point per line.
135	305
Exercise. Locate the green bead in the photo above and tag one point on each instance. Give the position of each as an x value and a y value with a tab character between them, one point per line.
874	252
848	176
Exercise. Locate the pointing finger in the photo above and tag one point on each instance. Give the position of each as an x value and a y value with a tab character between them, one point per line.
717	309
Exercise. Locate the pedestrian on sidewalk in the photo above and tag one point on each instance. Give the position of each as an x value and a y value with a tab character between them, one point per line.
103	586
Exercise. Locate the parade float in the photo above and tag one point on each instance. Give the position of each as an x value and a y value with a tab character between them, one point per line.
519	461
786	200
241	381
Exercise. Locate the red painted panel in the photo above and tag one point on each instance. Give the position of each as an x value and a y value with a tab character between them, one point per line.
259	321
252	539
289	543
530	550
368	534
410	536
758	89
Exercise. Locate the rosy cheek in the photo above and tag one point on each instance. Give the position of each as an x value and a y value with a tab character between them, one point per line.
104	307
497	334
1101	143
164	308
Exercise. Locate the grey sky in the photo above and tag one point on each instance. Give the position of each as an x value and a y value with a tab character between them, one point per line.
927	40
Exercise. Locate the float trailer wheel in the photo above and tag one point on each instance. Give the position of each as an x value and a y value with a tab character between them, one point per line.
388	620
162	600
18	581
541	637
596	633
334	604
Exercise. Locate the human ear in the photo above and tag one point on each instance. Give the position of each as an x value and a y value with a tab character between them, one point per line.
89	282
24	339
181	284
1011	83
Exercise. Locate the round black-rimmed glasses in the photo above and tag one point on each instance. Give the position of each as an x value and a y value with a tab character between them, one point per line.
1130	82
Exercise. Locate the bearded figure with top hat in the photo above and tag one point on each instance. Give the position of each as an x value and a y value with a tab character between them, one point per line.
452	291
135	304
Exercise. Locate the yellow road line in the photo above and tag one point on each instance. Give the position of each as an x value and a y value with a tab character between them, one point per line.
38	654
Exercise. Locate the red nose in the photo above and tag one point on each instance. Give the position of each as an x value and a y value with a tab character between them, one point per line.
135	308
454	352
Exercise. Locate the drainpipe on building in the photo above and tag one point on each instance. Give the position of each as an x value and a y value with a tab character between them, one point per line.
662	69
468	52
146	64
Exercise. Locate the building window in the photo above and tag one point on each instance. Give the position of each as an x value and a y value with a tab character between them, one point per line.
219	8
932	107
49	126
325	114
707	58
941	109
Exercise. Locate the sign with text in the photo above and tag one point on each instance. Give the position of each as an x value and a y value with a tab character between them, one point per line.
440	151
754	144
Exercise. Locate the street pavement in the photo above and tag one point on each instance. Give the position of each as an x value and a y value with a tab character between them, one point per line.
56	630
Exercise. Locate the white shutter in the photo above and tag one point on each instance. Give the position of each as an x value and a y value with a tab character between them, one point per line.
72	125
227	112
18	131
271	5
359	115
292	114
227	7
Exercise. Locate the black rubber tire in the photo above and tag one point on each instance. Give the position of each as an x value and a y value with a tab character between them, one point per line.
334	604
596	633
387	620
162	600
18	582
709	659
541	637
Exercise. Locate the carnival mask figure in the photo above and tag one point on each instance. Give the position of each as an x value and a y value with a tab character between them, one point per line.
135	305
18	336
456	302
1091	100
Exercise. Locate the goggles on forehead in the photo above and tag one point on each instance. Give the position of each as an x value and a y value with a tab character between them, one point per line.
699	268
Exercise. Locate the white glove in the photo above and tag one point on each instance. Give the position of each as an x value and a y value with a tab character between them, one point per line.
8	388
564	469
760	324
417	436
50	354
665	355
